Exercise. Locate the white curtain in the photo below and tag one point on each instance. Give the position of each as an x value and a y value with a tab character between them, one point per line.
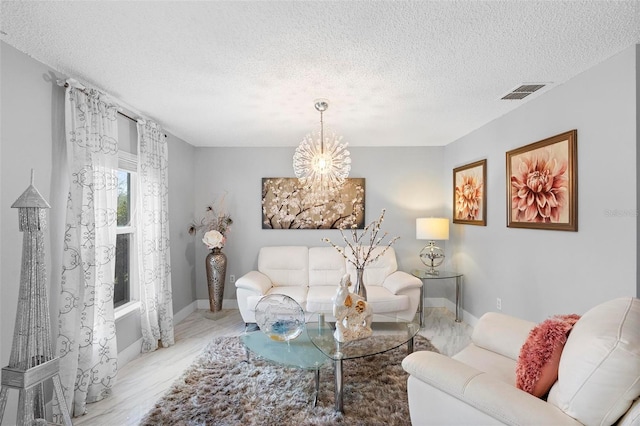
153	241
86	343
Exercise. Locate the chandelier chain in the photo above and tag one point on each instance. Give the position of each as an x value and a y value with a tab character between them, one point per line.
321	134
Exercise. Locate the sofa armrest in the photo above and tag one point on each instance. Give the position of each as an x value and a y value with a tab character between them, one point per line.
254	281
480	390
502	334
399	281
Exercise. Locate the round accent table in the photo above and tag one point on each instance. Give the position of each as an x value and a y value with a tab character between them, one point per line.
442	275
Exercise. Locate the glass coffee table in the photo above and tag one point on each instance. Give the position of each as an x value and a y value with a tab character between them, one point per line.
299	353
397	332
317	347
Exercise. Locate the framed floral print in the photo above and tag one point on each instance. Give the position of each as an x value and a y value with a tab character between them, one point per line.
469	194
542	184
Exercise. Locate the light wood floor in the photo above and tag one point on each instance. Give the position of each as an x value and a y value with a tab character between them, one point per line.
144	380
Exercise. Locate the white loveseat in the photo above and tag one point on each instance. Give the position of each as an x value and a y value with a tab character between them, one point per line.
598	375
310	275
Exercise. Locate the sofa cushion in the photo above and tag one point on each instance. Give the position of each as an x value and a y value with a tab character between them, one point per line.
285	265
632	416
513	334
537	366
599	372
375	272
382	301
320	298
326	266
297	293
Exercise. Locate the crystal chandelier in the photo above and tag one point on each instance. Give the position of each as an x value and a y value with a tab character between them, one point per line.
322	163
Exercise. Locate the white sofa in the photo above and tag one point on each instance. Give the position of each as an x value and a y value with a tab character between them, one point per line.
598	374
310	275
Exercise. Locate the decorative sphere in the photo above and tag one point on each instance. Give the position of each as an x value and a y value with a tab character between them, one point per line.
432	256
280	317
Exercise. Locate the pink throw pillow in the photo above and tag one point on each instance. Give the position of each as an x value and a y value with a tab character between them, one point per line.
537	366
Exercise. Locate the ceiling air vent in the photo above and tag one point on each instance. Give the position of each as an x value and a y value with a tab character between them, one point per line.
522	91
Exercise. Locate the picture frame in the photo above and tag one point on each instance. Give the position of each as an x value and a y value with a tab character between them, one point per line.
470	194
542	184
287	204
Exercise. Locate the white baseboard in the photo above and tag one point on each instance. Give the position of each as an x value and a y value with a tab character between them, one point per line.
132	351
226	303
437	302
183	313
129	353
443	302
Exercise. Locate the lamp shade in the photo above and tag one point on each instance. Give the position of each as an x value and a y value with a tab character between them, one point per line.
432	228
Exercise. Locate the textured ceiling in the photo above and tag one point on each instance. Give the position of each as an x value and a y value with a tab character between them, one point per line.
396	73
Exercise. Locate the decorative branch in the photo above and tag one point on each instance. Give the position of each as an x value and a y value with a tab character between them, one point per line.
216	218
361	255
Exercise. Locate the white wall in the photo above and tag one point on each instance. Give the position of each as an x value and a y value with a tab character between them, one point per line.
29	104
26	143
31	136
538	273
637	161
407	182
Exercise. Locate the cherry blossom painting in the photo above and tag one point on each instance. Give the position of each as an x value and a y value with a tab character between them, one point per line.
542	184
470	194
287	204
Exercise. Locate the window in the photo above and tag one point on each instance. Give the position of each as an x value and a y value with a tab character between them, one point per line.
126	294
124	241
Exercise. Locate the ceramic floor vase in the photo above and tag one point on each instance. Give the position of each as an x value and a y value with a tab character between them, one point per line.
216	271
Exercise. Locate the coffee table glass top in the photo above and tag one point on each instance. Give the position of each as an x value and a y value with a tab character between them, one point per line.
399	332
299	352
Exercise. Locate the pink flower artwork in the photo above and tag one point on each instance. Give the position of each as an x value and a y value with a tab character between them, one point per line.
542	184
469	193
469	198
539	186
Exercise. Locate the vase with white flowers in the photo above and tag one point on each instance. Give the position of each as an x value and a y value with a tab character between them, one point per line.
216	224
363	249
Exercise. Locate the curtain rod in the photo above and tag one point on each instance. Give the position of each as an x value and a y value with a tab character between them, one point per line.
65	85
126	116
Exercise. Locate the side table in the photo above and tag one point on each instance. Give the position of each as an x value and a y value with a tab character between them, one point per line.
425	276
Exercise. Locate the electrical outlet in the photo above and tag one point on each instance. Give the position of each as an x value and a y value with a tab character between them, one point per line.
232	278
499	304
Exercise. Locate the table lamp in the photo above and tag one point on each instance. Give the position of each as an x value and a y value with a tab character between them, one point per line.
432	228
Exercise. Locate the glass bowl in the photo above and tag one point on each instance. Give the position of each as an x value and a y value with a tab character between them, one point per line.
280	317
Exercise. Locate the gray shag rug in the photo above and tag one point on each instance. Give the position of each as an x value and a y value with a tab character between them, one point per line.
222	388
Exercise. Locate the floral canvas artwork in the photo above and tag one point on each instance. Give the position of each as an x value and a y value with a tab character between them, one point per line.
287	204
469	194
542	184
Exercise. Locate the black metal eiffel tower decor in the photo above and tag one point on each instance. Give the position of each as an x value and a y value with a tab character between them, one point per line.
31	362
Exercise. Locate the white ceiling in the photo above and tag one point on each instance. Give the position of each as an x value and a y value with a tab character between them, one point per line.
246	73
